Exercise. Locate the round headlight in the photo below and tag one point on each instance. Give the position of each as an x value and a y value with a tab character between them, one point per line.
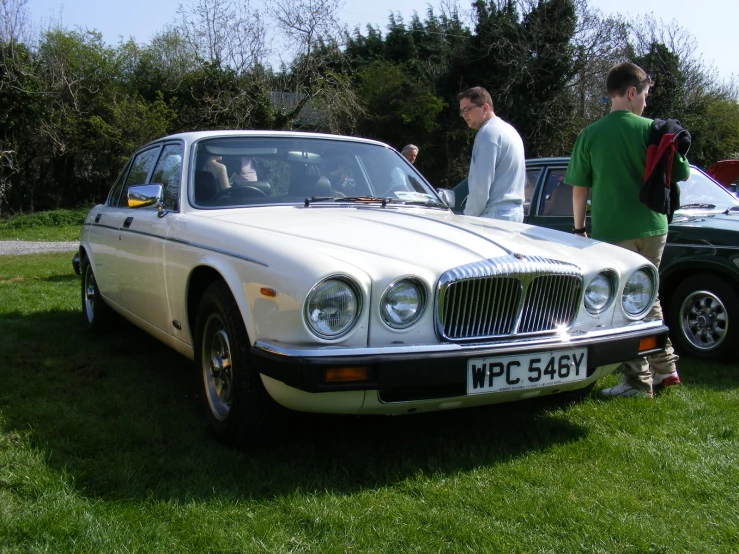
403	303
332	308
638	293
599	293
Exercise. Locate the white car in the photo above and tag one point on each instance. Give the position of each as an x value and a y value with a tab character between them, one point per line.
322	273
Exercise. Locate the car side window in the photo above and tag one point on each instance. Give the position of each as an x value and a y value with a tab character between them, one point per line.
556	198
168	172
140	169
532	176
115	192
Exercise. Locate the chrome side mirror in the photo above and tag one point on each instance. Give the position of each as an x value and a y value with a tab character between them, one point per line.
142	196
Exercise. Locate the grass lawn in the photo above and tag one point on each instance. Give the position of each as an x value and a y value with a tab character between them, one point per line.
103	449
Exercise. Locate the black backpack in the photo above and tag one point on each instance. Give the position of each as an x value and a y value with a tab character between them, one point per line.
659	193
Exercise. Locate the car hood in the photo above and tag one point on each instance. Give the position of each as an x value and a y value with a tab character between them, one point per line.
434	239
716	228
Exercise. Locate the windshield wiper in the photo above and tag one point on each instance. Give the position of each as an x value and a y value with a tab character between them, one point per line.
317	199
428	203
387	200
732	209
383	201
697	207
364	199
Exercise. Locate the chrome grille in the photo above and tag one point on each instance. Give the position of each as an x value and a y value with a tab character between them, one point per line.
513	295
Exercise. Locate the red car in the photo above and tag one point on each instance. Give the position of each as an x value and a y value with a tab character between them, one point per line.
726	173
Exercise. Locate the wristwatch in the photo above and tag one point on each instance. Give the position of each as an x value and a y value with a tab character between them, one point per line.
580	231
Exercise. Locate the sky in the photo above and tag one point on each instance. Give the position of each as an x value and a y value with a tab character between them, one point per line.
711	22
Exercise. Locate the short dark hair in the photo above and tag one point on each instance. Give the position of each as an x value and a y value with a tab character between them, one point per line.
623	76
477	95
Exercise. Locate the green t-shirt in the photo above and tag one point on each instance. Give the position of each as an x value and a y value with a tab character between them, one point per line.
610	157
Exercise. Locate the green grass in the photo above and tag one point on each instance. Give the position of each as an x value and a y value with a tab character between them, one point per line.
103	449
57	225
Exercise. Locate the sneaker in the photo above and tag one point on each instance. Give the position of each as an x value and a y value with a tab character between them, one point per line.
660	380
624	390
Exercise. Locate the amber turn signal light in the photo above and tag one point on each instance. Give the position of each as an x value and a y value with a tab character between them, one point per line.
346	374
647	343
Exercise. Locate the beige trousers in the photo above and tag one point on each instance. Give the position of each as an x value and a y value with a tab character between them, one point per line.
638	372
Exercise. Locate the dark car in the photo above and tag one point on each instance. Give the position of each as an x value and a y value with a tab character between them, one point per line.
699	274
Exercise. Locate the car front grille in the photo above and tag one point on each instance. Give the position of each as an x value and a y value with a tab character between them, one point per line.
512	295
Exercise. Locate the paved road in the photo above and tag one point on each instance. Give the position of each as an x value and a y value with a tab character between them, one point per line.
8	247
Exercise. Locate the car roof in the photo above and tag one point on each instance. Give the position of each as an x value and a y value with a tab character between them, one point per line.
193	136
548	161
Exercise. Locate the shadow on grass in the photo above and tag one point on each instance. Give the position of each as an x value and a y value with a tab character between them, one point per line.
63	279
120	414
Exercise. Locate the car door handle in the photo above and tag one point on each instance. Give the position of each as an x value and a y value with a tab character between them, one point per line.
127	222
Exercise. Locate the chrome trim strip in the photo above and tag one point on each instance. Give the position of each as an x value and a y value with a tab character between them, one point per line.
186	243
709	246
324	351
217	251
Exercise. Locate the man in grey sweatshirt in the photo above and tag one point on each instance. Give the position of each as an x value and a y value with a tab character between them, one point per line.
497	176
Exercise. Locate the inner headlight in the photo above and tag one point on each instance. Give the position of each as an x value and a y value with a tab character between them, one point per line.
403	303
639	293
332	307
599	293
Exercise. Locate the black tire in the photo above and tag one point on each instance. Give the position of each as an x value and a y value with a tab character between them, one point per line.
237	407
573	396
96	314
704	318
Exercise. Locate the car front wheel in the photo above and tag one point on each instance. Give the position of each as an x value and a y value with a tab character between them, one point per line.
238	408
704	317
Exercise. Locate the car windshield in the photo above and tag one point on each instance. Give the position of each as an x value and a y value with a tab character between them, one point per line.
249	171
700	192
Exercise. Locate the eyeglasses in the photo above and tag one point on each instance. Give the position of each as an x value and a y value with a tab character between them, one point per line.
463	111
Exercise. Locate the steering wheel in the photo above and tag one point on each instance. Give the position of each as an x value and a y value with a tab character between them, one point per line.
242	191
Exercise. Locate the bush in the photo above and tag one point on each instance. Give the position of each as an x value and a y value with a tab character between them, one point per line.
56	218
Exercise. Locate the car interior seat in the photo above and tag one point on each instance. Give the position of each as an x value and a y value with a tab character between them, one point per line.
307	184
205	186
560	201
321	187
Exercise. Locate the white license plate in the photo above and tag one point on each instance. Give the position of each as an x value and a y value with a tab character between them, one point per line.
526	371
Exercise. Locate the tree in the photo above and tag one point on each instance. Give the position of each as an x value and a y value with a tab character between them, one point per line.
318	76
667	95
18	101
686	89
224	33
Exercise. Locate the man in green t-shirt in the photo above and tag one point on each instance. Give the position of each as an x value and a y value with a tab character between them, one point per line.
609	161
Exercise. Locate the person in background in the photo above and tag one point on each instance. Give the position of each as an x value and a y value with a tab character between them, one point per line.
247	172
609	158
497	175
410	152
215	166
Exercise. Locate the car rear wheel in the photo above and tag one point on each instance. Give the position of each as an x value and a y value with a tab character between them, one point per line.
704	317
238	408
97	314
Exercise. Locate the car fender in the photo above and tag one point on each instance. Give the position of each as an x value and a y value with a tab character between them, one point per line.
675	270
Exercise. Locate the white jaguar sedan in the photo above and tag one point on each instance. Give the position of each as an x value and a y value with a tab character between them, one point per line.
322	273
